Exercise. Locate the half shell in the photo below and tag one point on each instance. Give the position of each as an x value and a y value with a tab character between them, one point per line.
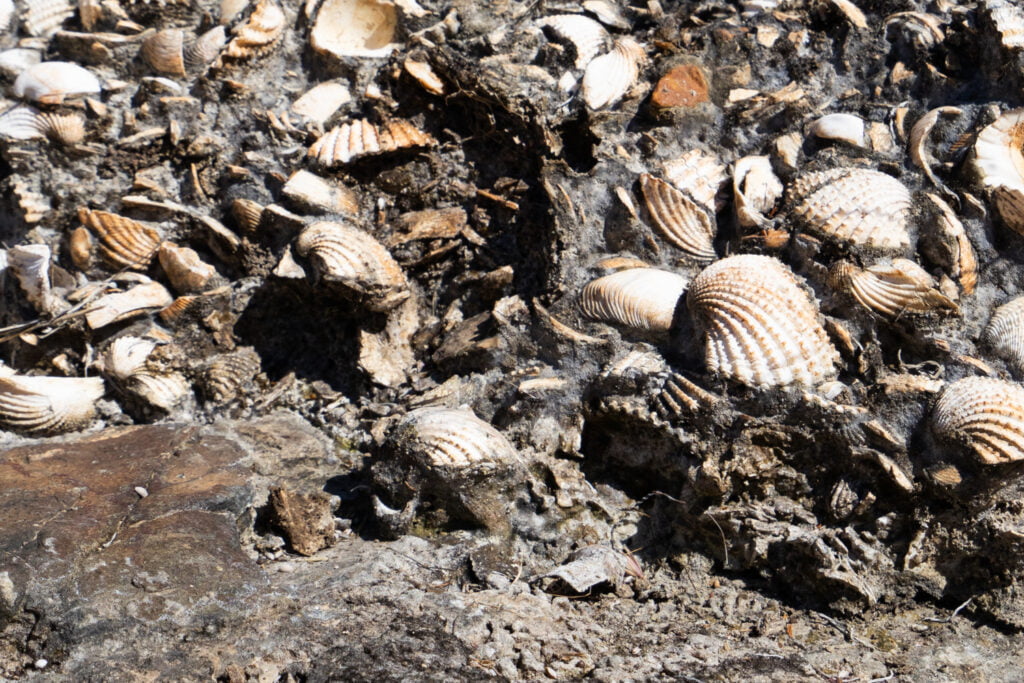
48	405
259	34
355	28
985	415
917	145
903	287
44	17
360	138
842	127
586	35
946	243
446	438
164	51
609	77
229	374
66	129
999	160
20	123
124	243
1005	333
698	174
760	327
51	82
679	219
641	298
756	189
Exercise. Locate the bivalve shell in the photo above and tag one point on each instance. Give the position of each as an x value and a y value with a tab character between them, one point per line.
1008	19
948	245
999	160
360	138
760	327
679	219
1005	333
52	82
259	34
917	145
699	174
48	405
202	52
986	415
66	129
139	300
609	77
842	127
641	298
892	290
30	263
355	28
586	35
756	189
20	123
164	52
229	374
321	101
124	243
445	438
44	17
863	207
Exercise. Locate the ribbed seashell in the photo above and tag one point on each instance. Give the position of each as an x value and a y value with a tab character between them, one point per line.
999	160
756	189
866	208
698	174
446	438
609	77
1008	19
258	35
903	287
986	415
20	123
355	28
48	405
51	82
186	271
125	356
917	144
124	243
173	313
139	300
228	374
34	205
202	52
353	259
585	34
760	327
360	138
163	390
945	241
66	129
842	127
320	102
30	263
679	219
1005	333
640	298
44	17
248	213
164	51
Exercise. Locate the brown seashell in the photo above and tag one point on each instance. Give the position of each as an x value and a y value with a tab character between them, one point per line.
860	206
80	248
903	287
360	138
760	327
164	51
918	143
756	190
609	77
640	298
424	75
67	129
259	34
680	220
700	175
947	244
247	213
172	313
186	271
452	439
201	53
124	243
228	375
1005	333
999	161
47	405
986	415
352	259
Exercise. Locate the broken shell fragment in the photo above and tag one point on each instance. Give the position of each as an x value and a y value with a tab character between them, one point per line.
842	127
48	405
186	271
1005	333
903	287
679	219
80	248
139	300
310	192
45	17
760	327
586	35
985	415
425	76
641	298
756	189
355	28
1008	20
860	206
228	375
609	77
946	243
124	243
917	145
360	138
52	82
321	101
30	263
700	175
259	34
999	160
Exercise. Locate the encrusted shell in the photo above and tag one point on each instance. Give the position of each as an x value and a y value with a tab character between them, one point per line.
1005	333
902	287
585	34
860	206
164	51
760	327
44	17
259	34
355	28
699	174
641	298
124	243
679	219
843	127
999	160
351	258
48	405
446	438
229	374
51	82
360	138
609	77
186	271
986	415
947	244
756	189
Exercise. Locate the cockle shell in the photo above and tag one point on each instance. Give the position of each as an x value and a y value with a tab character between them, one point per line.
355	28
903	287
164	51
124	243
586	35
946	243
679	219
360	138
860	206
51	82
986	415
259	34
843	127
48	405
641	298
1008	19
67	129
127	363
700	175
44	17
20	123
760	327
756	189
1005	333
229	374
446	438
348	257
609	77
999	160
160	389
247	213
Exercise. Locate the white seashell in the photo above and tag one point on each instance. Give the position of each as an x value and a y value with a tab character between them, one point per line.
903	287
751	8
18	59
139	300
608	13
1005	333
360	138
321	101
917	145
680	220
48	405
999	161
756	189
163	390
30	263
186	271
355	28
986	415
843	127
700	175
259	34
6	14
125	356
51	82
946	243
124	243
452	439
310	192
586	35
609	77
20	123
44	17
1008	19
641	298
863	207
760	327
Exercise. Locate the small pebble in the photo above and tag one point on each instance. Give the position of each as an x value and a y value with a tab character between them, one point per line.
284	567
141	491
40	663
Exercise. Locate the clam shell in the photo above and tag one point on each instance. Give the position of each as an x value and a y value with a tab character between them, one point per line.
259	34
174	312
903	287
124	243
760	327
586	35
67	129
986	415
320	102
917	144
360	138
186	271
355	28
842	127
44	17
679	219
164	52
860	206
48	405
999	161
948	245
248	213
609	77
21	123
1008	20
201	53
351	258
51	82
1005	333
30	263
229	374
756	189
138	300
640	298
698	174
451	439
163	390
125	356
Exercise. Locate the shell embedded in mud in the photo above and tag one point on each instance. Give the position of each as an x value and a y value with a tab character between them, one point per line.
756	189
586	35
447	438
52	82
641	298
609	77
124	243
259	34
355	28
842	127
699	174
164	51
1005	333
901	287
945	241
986	415
67	129
360	138
229	374
186	271
679	219
47	405
760	327
999	161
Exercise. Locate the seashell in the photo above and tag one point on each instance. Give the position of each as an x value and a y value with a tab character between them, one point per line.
80	248
320	102
1008	20
202	52
756	189
451	439
163	390
229	374
1000	165
917	144
30	263
34	205
680	220
424	75
44	17
608	13
903	287
352	259
948	245
174	312
312	193
751	8
138	300
125	356
51	82
842	127
6	14
20	123
1005	333
229	9
609	77
67	129
985	415
760	328
360	138
698	174
164	51
124	243
354	28
248	213
186	271
259	34
48	405
17	59
586	35
863	207
127	362
640	298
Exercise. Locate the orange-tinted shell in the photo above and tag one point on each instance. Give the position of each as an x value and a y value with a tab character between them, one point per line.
984	414
360	138
124	243
679	219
